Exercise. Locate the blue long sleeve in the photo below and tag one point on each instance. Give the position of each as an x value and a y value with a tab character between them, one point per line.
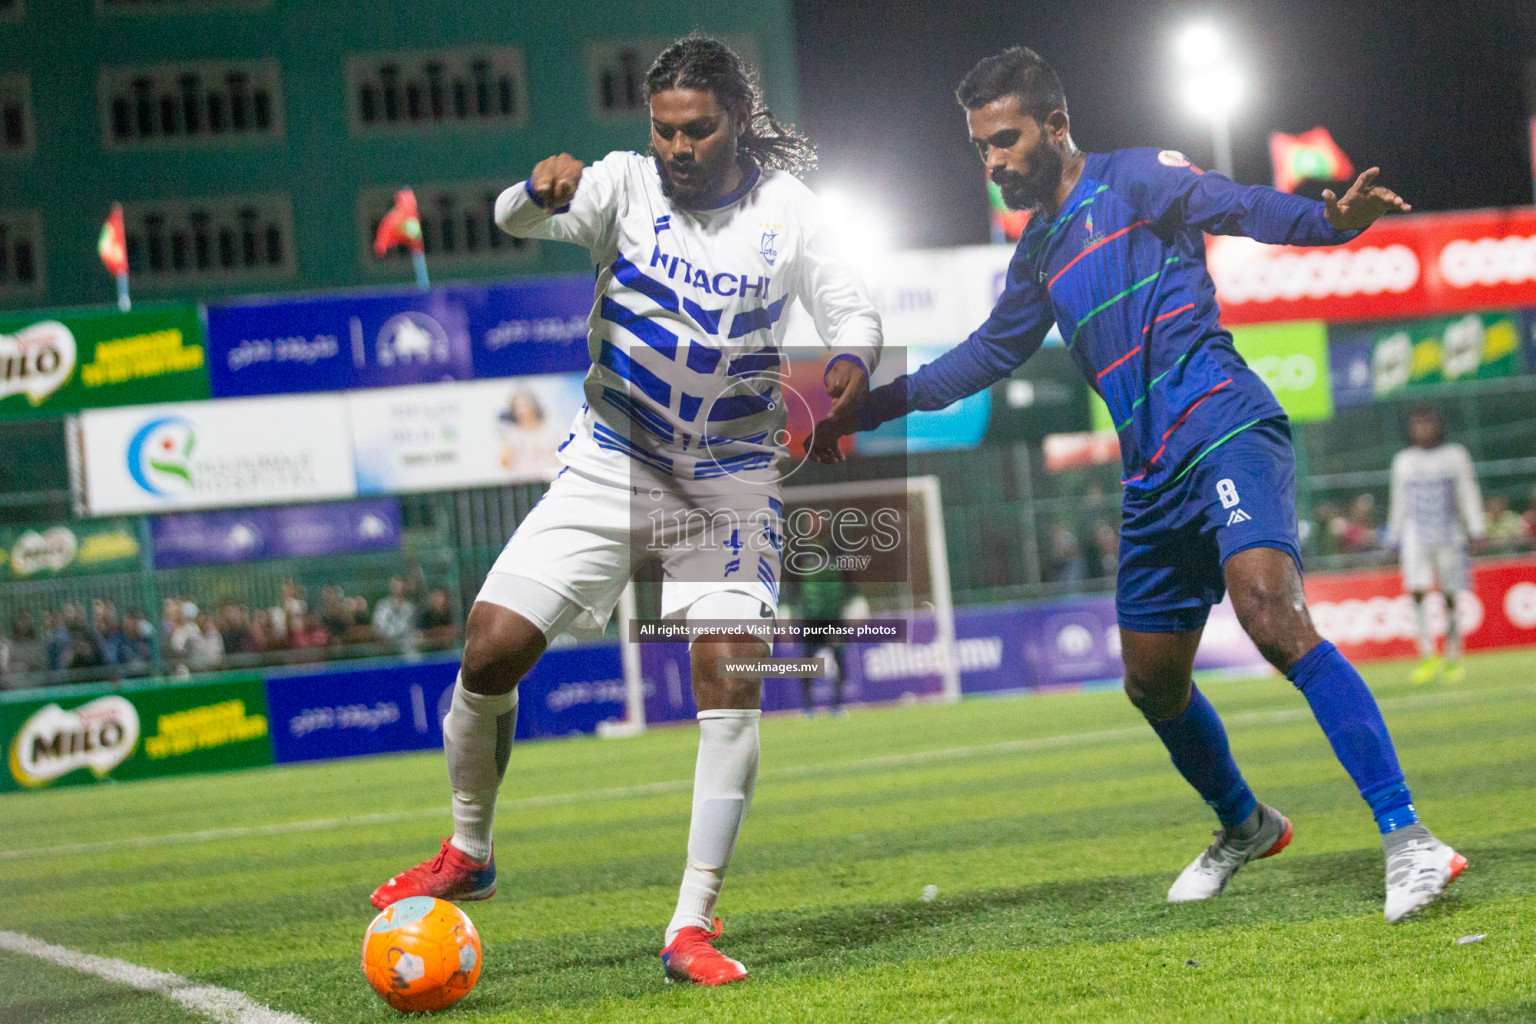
1012	333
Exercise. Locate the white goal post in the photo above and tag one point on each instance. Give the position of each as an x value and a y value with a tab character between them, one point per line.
926	590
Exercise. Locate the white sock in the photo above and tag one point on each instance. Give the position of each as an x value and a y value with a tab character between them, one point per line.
723	781
1452	630
477	737
1421	621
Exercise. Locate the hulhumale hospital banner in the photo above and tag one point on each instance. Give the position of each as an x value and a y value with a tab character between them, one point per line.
57	363
215	454
249	535
339	343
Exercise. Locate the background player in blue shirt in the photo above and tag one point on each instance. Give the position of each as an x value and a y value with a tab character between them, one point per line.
1115	257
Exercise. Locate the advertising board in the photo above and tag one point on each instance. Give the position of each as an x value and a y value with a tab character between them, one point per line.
215	454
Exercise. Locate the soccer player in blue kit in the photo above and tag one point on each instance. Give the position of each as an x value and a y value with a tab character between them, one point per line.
1115	257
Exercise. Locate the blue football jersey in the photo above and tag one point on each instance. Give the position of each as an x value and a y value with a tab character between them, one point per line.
1121	270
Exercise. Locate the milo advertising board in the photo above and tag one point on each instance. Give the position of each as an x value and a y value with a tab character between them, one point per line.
74	549
52	364
96	733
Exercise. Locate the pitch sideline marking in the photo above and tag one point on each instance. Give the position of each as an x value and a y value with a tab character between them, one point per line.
220	1004
684	785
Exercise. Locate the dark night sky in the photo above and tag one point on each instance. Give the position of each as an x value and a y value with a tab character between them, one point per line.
1433	92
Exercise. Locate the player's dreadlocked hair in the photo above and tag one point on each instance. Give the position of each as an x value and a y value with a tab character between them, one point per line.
697	61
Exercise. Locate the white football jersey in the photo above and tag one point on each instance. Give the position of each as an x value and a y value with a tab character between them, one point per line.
1435	498
689	315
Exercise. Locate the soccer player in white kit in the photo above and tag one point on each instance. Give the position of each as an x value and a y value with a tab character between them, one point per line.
677	453
1436	506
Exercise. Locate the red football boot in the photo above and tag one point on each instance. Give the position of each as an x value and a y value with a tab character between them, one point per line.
451	875
690	957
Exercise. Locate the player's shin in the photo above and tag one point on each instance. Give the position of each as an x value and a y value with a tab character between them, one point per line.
477	738
1426	635
1452	630
1197	743
723	781
1349	717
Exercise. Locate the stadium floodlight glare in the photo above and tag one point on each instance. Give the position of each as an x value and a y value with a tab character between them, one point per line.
1210	84
859	229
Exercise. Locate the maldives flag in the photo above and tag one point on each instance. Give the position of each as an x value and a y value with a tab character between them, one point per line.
113	244
400	226
1311	154
1010	223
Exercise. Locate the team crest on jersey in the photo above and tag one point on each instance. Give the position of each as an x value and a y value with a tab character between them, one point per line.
769	246
1092	239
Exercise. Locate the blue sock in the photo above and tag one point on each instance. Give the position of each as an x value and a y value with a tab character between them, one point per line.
1198	745
1344	707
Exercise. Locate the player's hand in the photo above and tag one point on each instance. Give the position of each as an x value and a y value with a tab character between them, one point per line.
847	385
1363	204
822	446
554	180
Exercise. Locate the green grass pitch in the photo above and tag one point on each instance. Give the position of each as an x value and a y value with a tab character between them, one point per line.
1051	827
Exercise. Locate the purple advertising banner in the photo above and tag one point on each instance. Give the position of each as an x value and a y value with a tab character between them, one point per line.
281	346
248	535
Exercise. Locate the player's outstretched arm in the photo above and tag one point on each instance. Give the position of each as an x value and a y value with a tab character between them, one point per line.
1363	205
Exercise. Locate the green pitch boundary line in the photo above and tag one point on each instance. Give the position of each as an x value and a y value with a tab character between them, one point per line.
669	786
219	1004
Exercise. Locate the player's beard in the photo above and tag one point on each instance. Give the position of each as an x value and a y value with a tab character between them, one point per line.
703	191
1030	191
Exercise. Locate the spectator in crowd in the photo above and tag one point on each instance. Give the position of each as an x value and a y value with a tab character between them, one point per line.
1506	528
26	654
205	646
438	632
136	651
1065	564
394	618
1106	551
107	634
335	612
55	638
1530	515
234	623
294	604
1356	532
177	632
362	618
261	639
308	633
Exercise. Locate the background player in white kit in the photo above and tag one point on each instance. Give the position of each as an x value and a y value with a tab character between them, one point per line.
677	453
1436	506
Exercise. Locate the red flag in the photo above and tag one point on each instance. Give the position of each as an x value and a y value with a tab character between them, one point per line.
1311	154
113	244
400	226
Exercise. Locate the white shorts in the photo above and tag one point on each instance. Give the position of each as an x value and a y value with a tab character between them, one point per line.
1424	565
583	538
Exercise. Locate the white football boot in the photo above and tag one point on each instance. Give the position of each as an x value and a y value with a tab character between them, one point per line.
1210	872
1419	867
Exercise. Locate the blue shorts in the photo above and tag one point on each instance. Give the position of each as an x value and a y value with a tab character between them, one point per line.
1174	543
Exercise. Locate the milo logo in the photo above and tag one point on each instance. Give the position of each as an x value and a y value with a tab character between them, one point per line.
36	360
99	735
35	552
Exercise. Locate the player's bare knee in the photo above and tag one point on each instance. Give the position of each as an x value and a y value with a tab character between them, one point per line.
1157	700
495	657
715	689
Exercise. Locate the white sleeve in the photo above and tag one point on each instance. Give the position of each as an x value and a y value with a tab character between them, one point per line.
588	220
1397	506
837	300
1468	495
